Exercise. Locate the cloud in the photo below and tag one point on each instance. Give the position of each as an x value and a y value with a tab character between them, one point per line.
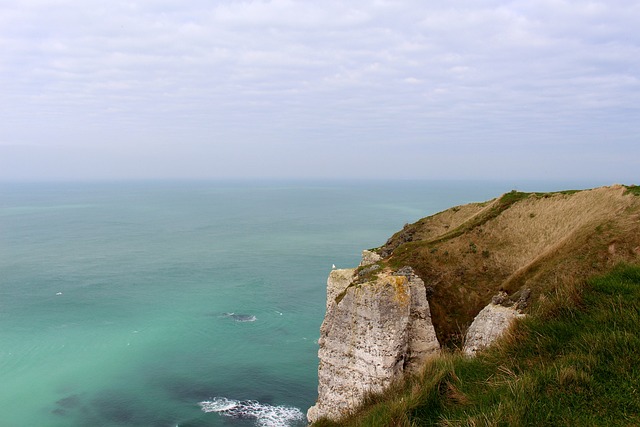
403	76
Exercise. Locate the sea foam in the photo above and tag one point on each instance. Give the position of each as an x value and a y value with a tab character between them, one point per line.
241	317
265	415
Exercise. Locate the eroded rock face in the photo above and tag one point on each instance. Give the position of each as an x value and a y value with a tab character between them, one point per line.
369	257
337	282
489	325
372	333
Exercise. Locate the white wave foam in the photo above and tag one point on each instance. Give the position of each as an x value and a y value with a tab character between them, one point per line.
265	415
241	317
218	404
245	318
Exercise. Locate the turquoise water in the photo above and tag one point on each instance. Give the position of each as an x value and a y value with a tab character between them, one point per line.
130	304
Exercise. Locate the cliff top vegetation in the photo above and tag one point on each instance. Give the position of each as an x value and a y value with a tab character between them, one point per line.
518	241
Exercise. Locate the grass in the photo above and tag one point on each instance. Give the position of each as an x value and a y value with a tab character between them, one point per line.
495	209
520	240
633	189
574	361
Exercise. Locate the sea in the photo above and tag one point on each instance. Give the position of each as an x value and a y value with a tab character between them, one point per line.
186	303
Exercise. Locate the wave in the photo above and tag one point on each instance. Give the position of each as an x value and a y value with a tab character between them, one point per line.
265	415
241	317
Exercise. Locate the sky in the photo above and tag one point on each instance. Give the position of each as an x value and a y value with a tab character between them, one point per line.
478	89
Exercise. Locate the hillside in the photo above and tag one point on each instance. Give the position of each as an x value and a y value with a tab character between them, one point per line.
571	361
466	254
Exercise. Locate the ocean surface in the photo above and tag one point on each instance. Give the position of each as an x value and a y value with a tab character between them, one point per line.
182	303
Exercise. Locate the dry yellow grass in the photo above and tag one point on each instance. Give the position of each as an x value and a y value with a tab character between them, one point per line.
539	225
437	225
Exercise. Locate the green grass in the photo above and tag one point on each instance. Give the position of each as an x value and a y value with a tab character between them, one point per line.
553	193
574	361
633	189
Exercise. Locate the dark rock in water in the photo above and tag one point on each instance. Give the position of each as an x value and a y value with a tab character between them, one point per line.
66	404
69	402
115	408
112	407
241	317
242	410
118	413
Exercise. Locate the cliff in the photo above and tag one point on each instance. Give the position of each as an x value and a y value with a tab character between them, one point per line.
460	278
373	333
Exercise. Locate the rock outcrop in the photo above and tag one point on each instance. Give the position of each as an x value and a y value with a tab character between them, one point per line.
369	257
337	282
489	325
372	334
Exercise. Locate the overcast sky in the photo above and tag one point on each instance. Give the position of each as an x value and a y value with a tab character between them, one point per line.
539	89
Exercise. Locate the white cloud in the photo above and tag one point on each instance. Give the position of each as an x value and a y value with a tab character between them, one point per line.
403	74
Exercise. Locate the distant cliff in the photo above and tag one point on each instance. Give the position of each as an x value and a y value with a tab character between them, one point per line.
486	261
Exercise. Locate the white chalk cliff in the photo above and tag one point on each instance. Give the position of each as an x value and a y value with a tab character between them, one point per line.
373	333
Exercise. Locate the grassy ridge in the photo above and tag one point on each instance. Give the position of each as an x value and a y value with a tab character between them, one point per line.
466	254
574	361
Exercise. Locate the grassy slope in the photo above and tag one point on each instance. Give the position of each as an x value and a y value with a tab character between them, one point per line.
466	254
574	361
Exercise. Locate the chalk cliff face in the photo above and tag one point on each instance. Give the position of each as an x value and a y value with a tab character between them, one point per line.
372	333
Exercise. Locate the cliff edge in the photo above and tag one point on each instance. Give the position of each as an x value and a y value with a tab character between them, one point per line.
459	279
373	333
